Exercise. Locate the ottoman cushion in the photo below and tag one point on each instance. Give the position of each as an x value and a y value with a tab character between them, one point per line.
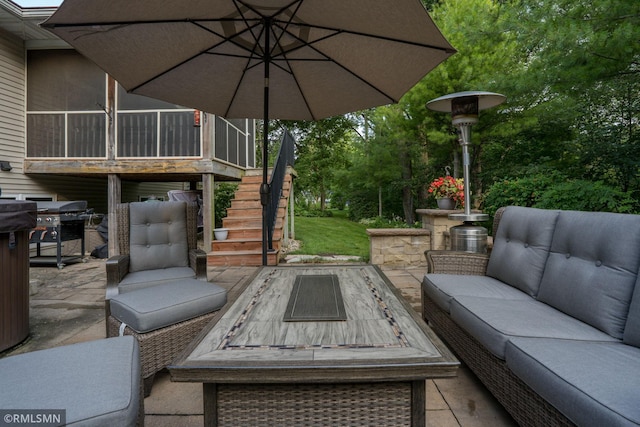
95	382
156	307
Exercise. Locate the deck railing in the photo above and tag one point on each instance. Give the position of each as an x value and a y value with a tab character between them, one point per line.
285	158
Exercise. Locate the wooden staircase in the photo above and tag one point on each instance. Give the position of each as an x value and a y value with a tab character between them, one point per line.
243	246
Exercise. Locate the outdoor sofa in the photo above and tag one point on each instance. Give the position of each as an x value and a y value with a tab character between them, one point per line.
550	321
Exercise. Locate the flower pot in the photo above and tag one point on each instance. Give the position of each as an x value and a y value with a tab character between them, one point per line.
220	233
446	203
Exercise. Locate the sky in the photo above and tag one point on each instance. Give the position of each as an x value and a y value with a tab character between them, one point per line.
37	3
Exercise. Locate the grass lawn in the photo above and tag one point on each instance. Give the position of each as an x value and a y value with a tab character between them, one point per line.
335	235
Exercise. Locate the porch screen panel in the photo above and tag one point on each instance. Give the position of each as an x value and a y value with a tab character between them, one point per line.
45	135
137	134
232	137
62	83
86	135
63	80
178	135
242	150
221	151
131	101
252	152
241	124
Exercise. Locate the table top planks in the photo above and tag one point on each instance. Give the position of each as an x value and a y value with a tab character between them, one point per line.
382	339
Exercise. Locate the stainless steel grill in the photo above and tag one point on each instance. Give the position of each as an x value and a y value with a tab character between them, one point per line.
58	222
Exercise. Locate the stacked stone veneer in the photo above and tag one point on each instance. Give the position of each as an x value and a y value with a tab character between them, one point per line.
404	247
398	247
438	223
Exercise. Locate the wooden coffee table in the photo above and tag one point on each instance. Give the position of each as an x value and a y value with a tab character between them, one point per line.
272	358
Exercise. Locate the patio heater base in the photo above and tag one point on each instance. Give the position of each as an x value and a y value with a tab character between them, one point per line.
469	238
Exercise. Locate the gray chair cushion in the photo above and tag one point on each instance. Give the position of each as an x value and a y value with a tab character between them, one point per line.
494	321
96	382
152	308
442	288
592	384
158	235
632	328
592	268
521	246
147	278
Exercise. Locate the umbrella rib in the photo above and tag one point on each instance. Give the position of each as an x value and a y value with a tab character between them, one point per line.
192	21
256	45
368	35
225	39
328	59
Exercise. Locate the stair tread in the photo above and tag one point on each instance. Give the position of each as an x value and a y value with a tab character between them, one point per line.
244	252
247	239
244	218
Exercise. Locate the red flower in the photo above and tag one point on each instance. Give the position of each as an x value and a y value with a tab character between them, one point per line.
447	187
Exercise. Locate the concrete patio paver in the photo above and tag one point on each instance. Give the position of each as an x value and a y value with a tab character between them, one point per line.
67	306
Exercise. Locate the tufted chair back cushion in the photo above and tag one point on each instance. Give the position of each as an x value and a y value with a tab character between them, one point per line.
592	268
158	235
521	246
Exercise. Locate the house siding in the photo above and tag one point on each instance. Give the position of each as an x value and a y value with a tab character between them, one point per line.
12	107
15	183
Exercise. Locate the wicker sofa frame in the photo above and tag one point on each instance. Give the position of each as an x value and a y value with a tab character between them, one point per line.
158	348
523	404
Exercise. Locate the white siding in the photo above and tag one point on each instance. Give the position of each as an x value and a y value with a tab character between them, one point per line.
12	125
13	130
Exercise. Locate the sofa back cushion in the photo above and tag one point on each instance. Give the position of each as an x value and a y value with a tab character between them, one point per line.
521	246
632	328
592	268
158	235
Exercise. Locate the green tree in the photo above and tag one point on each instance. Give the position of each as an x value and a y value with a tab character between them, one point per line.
576	93
321	151
486	51
410	144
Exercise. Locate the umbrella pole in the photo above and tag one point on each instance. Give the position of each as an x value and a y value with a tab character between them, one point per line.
264	188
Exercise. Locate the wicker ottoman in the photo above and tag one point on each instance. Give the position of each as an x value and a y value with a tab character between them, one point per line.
164	319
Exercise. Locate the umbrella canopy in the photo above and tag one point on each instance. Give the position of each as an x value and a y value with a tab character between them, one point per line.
286	59
327	57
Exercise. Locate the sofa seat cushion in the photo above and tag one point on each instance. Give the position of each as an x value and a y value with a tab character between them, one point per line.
591	383
494	321
97	383
156	307
147	278
442	288
592	268
521	246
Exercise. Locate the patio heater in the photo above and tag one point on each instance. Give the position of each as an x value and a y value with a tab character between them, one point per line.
464	108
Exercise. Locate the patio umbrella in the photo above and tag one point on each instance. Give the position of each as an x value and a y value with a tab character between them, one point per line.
286	59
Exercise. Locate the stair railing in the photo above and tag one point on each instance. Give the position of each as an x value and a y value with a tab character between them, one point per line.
276	182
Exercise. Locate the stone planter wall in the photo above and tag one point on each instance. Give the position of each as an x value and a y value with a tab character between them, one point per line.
404	247
399	247
438	223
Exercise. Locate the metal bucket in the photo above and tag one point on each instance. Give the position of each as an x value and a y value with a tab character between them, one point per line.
469	238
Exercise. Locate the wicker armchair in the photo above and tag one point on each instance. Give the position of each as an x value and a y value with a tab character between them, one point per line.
174	262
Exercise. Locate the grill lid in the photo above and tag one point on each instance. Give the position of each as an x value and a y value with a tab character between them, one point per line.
66	206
